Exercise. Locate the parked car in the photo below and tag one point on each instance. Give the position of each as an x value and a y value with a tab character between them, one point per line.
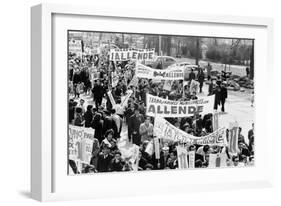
165	61
187	69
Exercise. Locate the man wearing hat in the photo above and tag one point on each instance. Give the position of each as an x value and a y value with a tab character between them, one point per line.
134	126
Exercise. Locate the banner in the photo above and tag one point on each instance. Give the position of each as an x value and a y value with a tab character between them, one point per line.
131	54
80	143
233	138
113	103
169	108
191	159
114	79
165	130
173	73
194	87
125	99
182	157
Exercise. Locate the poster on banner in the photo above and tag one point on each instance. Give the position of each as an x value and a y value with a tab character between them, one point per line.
131	54
168	85
114	79
125	99
157	106
233	135
112	100
191	159
173	73
80	143
194	87
165	130
182	157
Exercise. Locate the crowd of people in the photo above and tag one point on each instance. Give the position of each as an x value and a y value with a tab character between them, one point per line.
115	123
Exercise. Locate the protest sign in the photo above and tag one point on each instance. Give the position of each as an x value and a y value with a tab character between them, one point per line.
125	99
80	143
168	108
173	73
133	82
233	138
168	85
194	87
157	148
217	160
114	79
75	46
113	103
182	157
215	121
131	54
165	130
191	159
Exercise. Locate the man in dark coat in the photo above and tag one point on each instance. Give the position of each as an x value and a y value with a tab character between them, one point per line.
217	93
88	116
223	95
201	78
134	126
109	123
98	93
191	75
104	160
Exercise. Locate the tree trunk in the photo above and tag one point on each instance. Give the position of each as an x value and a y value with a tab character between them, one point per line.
252	61
197	51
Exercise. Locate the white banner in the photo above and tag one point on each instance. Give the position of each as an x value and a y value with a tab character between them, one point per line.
191	159
169	108
165	130
80	143
114	79
233	137
131	54
182	157
113	103
173	73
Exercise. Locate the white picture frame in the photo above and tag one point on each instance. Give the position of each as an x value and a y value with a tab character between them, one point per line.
47	183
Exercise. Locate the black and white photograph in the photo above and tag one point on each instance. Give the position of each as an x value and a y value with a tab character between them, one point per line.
141	102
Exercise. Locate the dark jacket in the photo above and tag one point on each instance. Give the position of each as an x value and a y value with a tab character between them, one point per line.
103	164
109	123
88	116
223	93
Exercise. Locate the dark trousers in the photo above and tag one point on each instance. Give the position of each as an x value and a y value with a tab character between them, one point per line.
97	102
222	105
200	86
